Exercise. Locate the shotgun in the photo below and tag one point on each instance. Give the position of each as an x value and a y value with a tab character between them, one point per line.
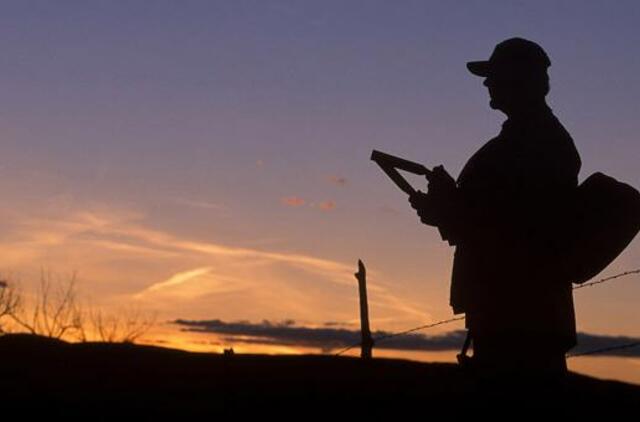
390	163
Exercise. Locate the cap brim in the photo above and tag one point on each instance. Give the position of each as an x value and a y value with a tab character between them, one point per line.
479	68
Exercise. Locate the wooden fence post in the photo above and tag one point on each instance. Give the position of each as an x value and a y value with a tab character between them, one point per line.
367	341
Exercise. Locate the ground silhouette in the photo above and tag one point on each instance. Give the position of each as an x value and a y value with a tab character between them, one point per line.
102	381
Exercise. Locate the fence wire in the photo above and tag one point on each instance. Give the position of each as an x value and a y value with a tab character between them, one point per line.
593	283
604	349
450	320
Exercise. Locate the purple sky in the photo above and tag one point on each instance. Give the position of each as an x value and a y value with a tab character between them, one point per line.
241	132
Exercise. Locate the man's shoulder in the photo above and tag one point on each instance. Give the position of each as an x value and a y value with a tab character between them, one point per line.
556	144
559	132
554	124
489	151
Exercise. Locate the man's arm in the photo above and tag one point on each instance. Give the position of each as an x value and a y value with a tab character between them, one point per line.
453	224
441	206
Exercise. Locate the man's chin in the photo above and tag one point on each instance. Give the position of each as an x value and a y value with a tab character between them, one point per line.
496	106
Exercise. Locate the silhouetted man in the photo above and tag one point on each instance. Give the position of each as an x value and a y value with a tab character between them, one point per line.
505	214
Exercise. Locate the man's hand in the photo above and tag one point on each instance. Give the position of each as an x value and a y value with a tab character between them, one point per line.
423	203
428	205
440	181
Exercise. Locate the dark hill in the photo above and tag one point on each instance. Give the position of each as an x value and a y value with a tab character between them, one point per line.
100	381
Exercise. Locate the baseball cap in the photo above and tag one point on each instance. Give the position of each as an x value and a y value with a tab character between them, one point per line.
514	54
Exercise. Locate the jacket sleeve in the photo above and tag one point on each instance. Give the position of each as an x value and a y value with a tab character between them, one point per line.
452	225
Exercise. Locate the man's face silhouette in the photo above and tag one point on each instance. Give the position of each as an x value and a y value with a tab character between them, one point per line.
511	91
502	90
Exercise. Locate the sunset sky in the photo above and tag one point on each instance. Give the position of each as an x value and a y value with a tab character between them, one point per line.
209	160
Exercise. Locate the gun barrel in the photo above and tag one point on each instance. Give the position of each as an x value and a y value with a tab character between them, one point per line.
388	160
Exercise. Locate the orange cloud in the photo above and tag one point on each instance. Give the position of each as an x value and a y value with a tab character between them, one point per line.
338	180
327	205
293	201
200	204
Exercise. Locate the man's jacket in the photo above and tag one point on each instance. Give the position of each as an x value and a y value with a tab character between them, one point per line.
507	218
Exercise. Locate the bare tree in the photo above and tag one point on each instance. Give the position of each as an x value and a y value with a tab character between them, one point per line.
9	302
126	325
53	311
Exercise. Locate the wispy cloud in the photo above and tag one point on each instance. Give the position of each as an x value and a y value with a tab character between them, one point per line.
200	204
124	231
178	279
133	249
169	269
127	232
296	201
194	284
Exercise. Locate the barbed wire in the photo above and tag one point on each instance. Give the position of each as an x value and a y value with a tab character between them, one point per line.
604	349
422	327
450	320
593	283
